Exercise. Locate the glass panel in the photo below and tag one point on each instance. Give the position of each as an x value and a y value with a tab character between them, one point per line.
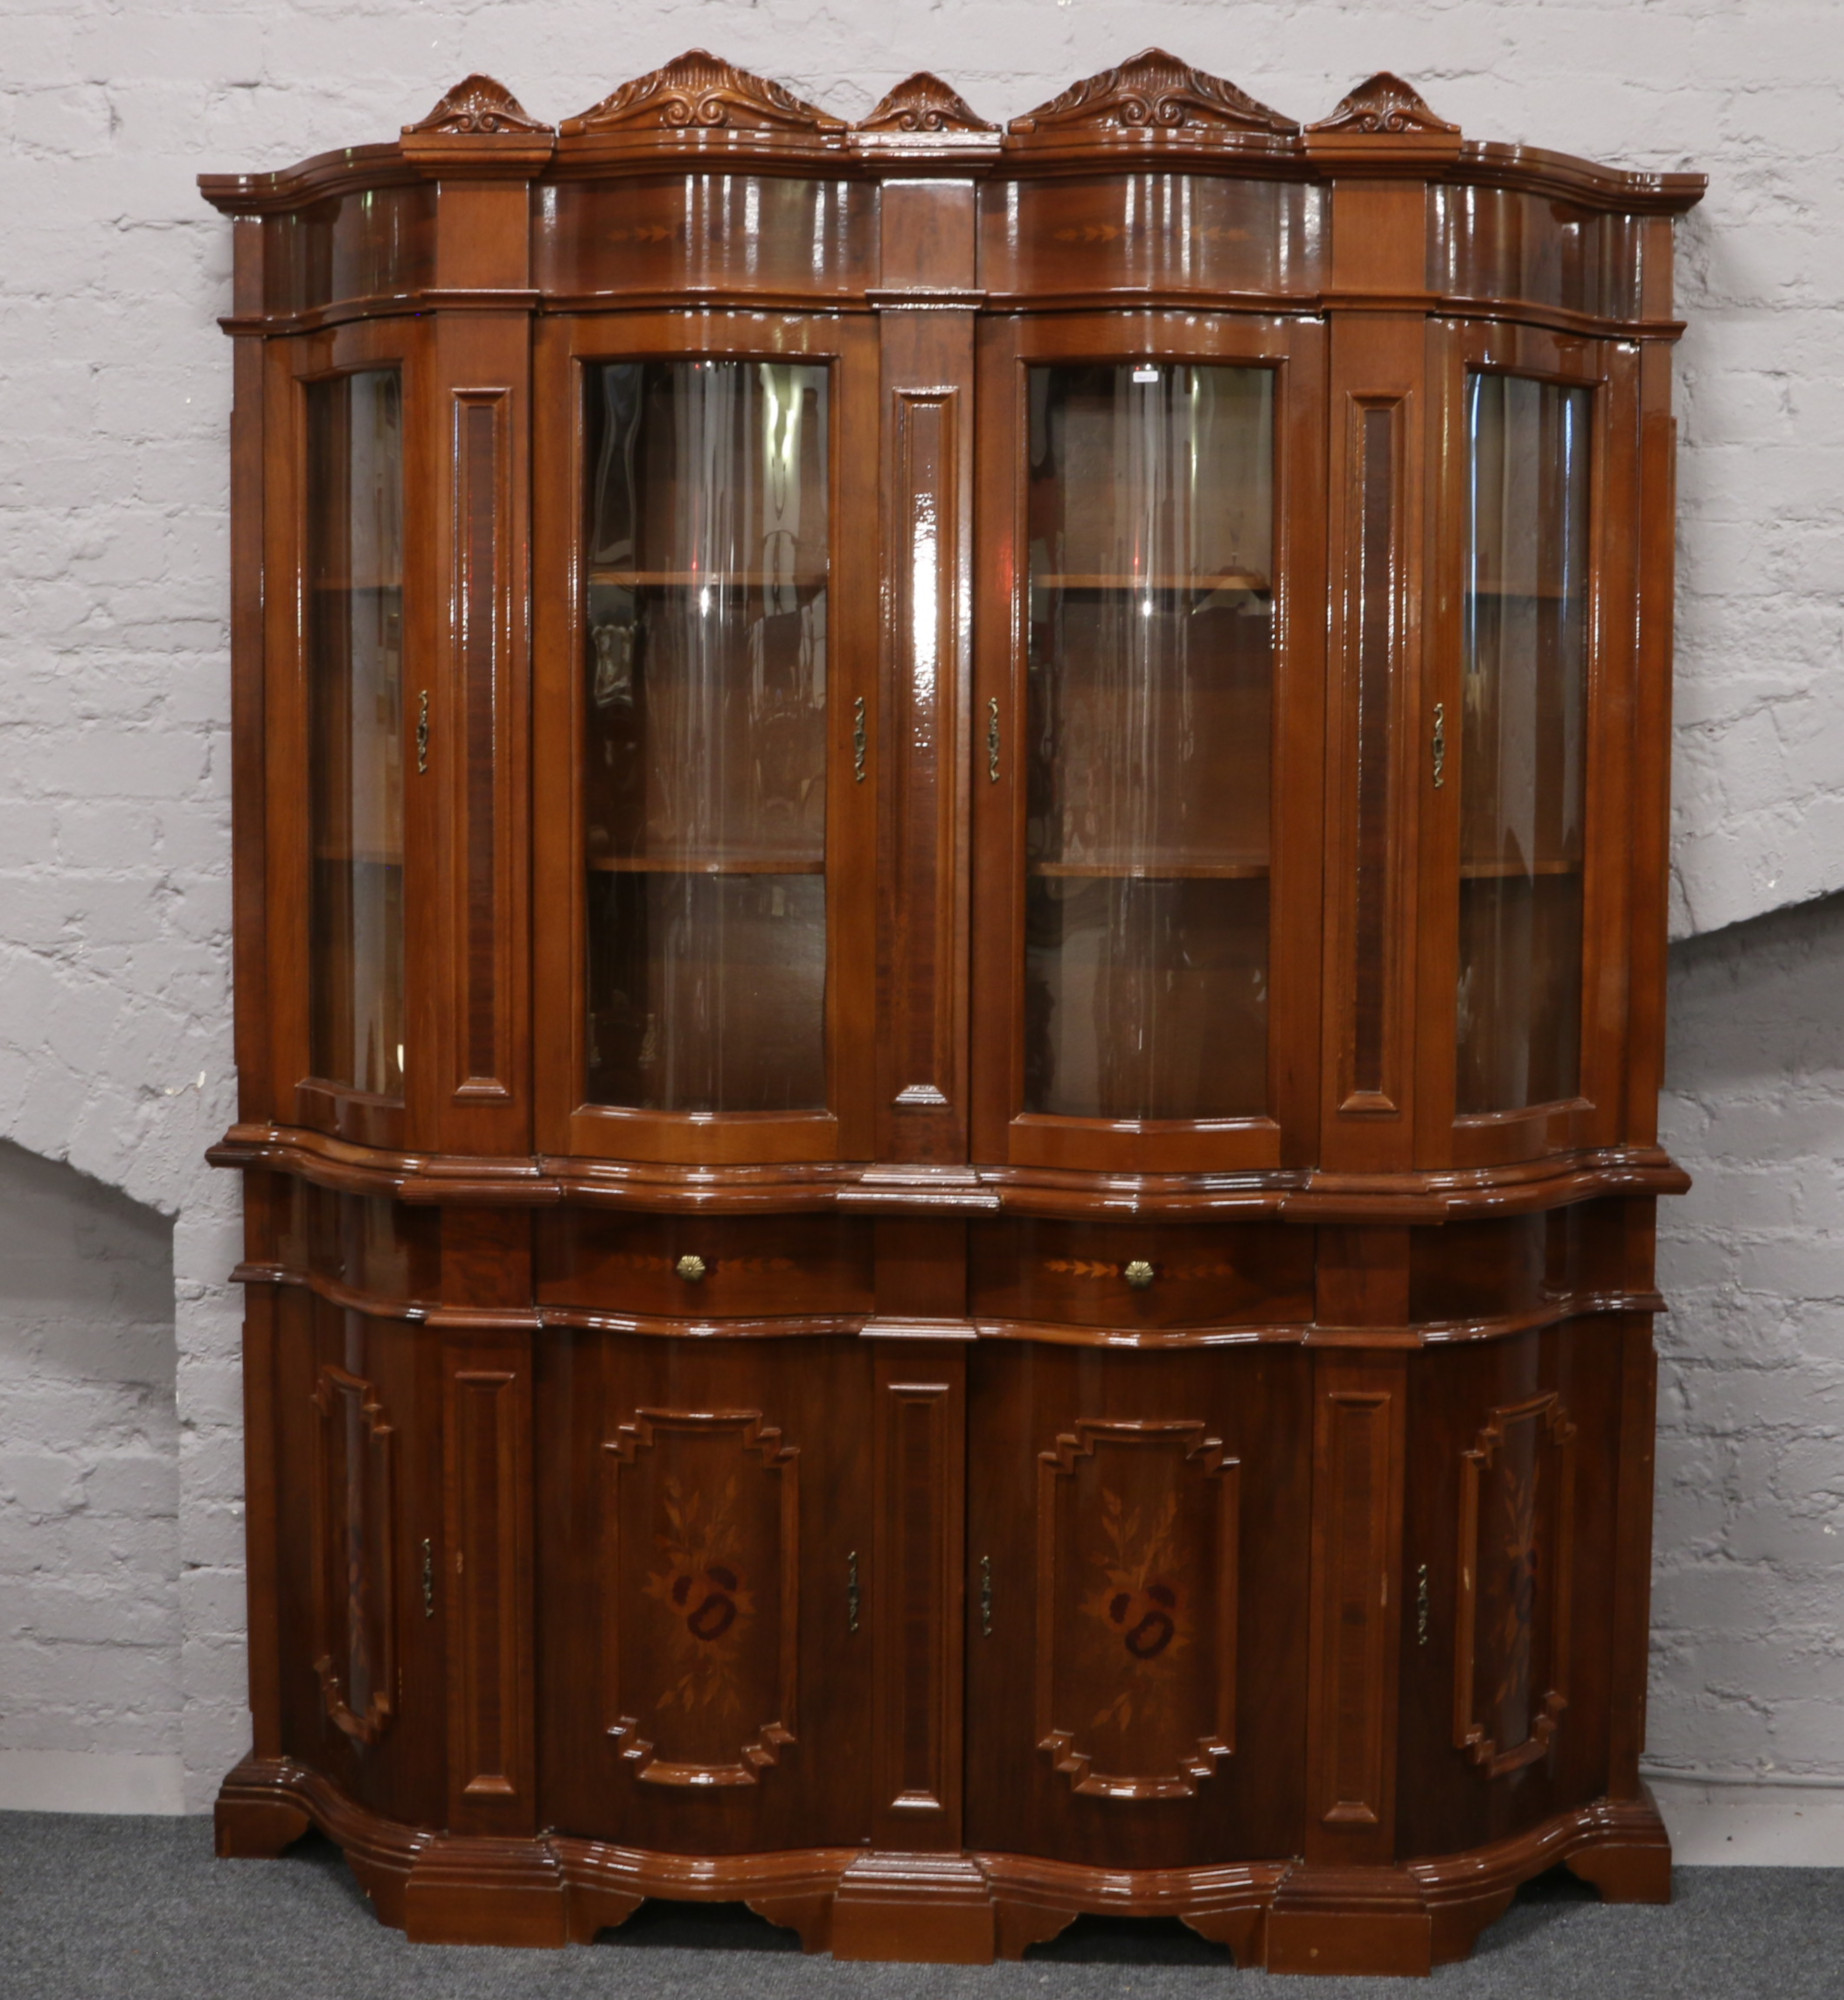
355	725
1151	505
705	746
1522	746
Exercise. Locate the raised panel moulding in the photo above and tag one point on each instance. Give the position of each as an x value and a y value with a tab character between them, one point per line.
700	91
355	1532
1155	92
1137	1607
701	1593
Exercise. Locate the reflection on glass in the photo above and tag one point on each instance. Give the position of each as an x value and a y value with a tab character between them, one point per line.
355	726
1524	727
1151	509
705	746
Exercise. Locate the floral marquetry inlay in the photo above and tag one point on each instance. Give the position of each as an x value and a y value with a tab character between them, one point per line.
1517	1514
1136	1622
701	1595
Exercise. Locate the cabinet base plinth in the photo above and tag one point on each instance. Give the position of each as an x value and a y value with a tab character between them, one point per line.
943	1909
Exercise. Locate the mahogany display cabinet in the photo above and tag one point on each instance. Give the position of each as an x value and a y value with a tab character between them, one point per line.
950	866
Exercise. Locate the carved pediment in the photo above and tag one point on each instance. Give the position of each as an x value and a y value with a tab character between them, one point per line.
1156	92
1383	104
923	103
699	92
477	106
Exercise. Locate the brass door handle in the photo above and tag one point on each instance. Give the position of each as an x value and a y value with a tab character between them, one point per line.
859	741
422	732
1139	1274
992	739
1440	744
691	1268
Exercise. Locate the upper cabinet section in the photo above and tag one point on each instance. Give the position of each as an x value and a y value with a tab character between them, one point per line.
784	660
1153	179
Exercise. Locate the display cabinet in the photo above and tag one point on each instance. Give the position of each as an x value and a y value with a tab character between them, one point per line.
950	858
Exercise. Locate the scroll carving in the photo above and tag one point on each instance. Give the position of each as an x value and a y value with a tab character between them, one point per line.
1383	104
1154	91
1137	1577
478	105
354	1536
1511	1630
700	1635
923	103
699	92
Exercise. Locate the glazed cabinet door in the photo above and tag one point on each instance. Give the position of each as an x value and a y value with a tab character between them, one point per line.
1147	749
347	636
1536	792
704	1638
1138	1530
706	634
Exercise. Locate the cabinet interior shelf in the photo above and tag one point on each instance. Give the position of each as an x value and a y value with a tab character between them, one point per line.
708	864
1129	580
707	579
1511	871
1242	869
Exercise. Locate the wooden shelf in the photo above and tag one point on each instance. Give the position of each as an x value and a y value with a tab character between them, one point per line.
1246	868
708	864
1129	581
1514	871
705	579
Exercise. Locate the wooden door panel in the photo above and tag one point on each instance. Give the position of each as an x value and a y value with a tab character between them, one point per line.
357	1410
705	1552
1137	1541
1509	1567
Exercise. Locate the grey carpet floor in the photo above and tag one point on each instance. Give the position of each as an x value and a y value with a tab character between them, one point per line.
137	1909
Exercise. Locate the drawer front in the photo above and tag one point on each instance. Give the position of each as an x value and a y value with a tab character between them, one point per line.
705	1267
1128	1275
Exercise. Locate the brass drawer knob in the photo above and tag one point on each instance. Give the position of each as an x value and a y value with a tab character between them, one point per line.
1139	1274
690	1268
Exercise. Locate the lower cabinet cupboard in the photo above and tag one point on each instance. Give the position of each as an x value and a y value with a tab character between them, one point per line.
925	1636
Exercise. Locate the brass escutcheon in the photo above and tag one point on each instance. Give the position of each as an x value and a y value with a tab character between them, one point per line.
1139	1274
690	1268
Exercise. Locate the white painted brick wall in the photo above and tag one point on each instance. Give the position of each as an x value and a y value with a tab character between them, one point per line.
114	904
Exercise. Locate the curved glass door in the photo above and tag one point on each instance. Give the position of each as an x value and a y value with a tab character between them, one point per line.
1525	619
1150	516
704	778
354	658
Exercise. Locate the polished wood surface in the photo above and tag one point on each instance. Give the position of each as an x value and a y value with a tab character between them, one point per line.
977	1294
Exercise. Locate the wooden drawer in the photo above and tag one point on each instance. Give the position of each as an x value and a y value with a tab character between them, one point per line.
1077	1273
705	1267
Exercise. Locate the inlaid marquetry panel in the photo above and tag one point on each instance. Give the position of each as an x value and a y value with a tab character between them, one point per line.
1511	1627
701	1595
355	1525
1136	1610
